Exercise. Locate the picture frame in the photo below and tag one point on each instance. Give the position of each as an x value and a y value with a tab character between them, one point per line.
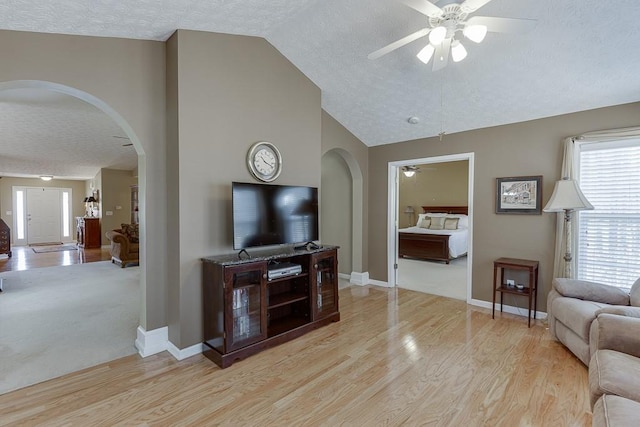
519	195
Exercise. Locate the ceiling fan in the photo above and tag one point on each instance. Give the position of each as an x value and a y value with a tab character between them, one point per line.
410	170
445	26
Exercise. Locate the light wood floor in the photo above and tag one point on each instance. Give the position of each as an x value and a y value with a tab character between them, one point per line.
397	357
24	258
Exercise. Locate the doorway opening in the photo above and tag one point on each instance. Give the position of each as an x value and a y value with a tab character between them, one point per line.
459	267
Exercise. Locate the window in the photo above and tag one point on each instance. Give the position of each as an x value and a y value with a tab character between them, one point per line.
608	249
66	219
20	214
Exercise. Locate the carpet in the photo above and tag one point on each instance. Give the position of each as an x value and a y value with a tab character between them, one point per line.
54	248
58	320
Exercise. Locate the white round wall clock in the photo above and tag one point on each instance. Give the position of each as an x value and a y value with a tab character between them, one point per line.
264	161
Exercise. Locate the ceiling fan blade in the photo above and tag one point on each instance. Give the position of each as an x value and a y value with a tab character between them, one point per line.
399	43
441	57
425	7
473	5
503	25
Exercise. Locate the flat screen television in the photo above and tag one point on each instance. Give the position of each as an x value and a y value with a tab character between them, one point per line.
267	214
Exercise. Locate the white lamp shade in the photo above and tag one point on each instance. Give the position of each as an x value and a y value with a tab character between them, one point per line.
475	33
458	52
409	210
426	53
437	35
567	195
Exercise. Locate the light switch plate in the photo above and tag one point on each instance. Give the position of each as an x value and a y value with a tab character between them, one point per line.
109	213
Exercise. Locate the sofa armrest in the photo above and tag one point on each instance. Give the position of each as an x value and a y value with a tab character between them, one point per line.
591	291
614	332
620	310
118	239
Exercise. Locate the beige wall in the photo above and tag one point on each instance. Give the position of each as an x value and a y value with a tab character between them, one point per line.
528	148
6	197
336	208
128	76
116	192
338	139
435	184
233	91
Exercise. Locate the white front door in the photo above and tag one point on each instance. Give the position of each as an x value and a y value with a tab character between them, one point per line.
43	215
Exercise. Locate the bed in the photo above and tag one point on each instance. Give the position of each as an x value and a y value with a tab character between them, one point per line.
434	245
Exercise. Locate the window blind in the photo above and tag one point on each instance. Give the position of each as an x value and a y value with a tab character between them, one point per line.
608	249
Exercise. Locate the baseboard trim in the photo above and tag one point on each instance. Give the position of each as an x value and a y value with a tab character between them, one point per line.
380	283
358	278
344	276
151	342
518	311
185	352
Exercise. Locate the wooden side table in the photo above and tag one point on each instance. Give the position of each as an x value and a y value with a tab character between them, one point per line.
530	291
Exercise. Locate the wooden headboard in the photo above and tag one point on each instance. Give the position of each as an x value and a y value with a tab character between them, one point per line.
463	210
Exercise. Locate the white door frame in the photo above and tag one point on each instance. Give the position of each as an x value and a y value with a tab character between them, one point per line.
392	213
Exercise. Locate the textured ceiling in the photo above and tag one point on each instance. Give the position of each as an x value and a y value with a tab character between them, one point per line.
48	133
582	54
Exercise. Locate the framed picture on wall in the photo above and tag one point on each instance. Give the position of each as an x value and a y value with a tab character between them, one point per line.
519	195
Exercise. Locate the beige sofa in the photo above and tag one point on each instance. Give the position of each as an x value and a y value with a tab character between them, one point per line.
614	369
573	306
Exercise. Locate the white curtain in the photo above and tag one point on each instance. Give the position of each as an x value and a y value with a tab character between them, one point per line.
568	170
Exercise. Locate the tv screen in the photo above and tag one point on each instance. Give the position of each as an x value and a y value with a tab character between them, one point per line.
265	214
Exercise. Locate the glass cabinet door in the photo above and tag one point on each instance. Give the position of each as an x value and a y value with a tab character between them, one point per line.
325	284
245	293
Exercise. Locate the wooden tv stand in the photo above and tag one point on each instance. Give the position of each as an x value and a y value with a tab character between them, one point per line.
245	312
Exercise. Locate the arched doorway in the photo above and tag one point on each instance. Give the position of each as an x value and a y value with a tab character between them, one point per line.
124	128
341	219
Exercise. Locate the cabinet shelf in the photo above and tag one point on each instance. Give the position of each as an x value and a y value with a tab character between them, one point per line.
284	324
286	298
513	290
282	279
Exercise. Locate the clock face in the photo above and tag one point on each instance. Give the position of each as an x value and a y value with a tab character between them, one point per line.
264	161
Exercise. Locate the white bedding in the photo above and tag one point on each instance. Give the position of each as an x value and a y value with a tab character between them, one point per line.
458	242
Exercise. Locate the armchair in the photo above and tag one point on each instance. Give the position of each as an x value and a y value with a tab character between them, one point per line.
124	249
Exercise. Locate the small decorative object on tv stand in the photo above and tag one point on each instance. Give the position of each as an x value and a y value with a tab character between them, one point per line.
245	312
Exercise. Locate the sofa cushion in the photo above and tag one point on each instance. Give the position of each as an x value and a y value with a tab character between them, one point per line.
591	291
613	372
634	295
576	314
615	411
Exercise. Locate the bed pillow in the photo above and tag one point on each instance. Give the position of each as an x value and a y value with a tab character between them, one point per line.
464	220
424	222
437	222
451	223
420	218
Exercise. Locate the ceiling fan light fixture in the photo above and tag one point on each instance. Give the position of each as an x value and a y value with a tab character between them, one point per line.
409	173
458	52
46	177
475	33
426	53
437	35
